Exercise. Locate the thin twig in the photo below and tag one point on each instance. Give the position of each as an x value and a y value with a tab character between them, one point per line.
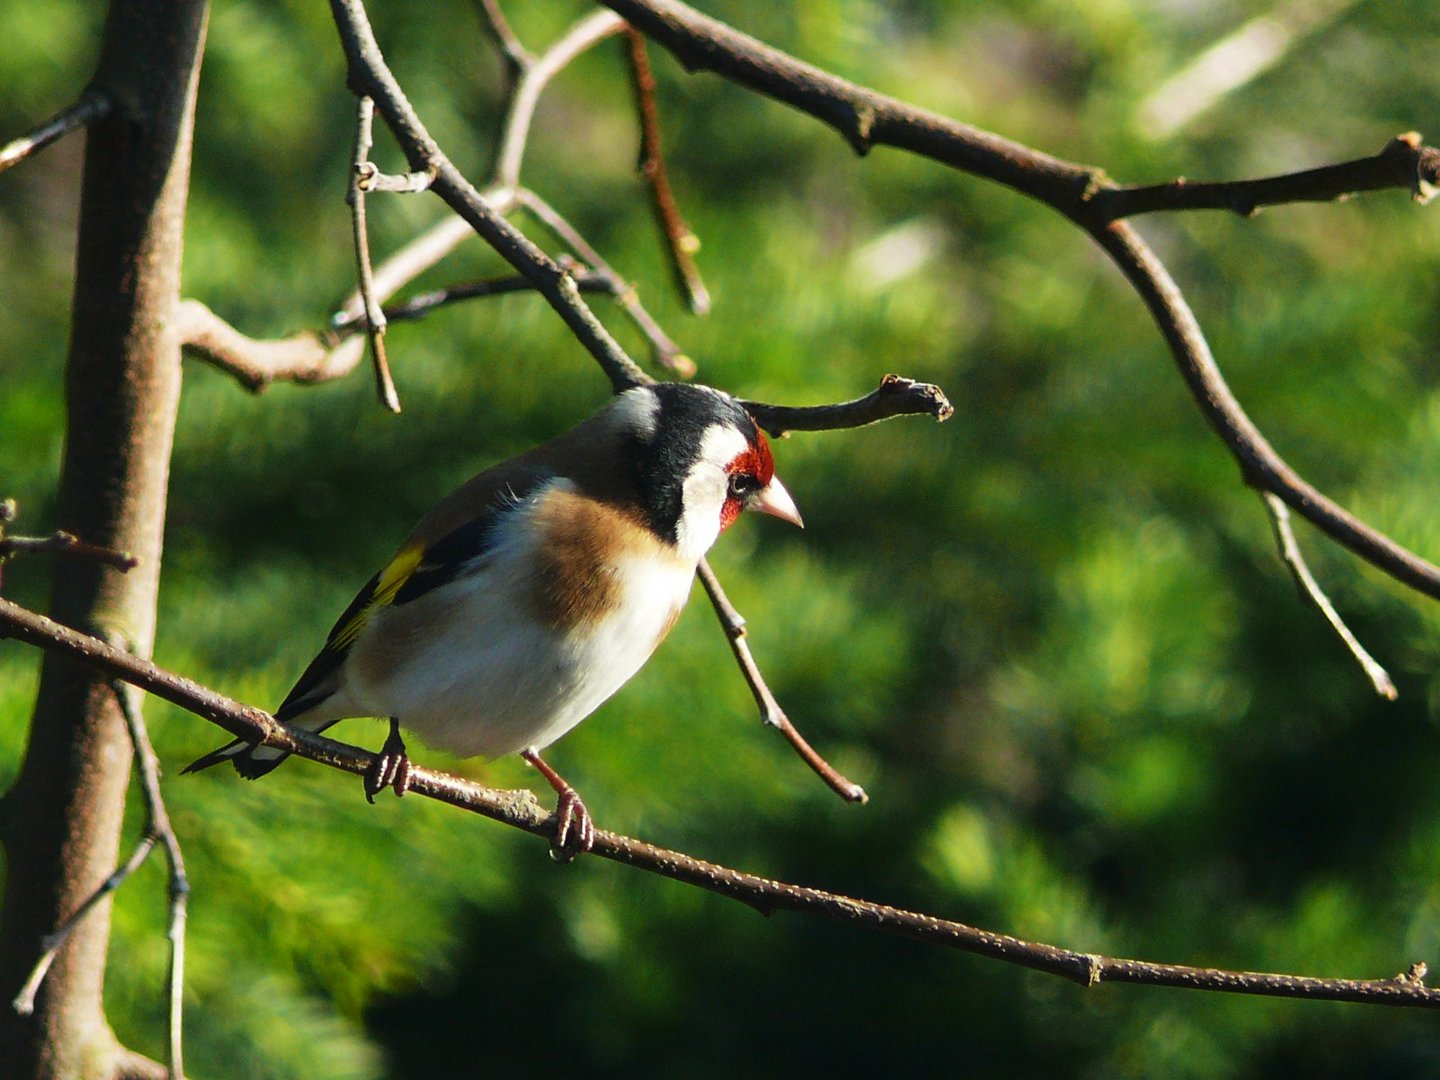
374	317
680	241
663	350
24	1001
771	713
57	543
517	58
64	543
895	396
418	306
1310	588
523	811
93	106
534	77
1402	163
157	826
371	76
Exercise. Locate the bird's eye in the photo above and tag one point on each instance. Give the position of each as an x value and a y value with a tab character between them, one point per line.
743	485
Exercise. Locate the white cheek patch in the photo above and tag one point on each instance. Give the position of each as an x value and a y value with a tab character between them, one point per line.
705	489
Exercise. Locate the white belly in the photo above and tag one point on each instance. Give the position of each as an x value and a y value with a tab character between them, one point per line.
479	675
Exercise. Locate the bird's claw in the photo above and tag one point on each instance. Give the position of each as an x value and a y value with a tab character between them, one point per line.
389	768
574	828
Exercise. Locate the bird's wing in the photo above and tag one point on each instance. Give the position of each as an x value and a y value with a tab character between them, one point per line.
424	562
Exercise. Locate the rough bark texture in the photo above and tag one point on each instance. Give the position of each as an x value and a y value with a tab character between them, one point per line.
62	819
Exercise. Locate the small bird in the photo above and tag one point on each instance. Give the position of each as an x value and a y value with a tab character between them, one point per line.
534	591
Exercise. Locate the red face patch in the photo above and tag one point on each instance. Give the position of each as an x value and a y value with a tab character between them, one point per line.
750	471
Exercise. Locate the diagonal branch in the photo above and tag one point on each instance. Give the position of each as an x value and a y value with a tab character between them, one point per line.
771	714
1311	590
680	242
371	76
521	810
663	350
867	118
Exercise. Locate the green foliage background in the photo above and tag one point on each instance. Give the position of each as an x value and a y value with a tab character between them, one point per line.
1051	638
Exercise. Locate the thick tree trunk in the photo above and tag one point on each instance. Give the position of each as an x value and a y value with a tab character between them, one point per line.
61	821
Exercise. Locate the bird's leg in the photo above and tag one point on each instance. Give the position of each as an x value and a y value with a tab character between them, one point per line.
389	768
574	828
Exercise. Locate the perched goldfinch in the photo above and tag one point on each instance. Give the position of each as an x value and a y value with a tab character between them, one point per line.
536	590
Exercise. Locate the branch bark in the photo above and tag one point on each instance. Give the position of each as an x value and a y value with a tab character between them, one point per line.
61	820
521	810
1087	197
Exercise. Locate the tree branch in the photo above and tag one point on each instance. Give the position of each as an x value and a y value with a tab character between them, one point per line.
1310	588
521	810
94	105
867	118
663	350
57	543
895	396
680	242
370	76
361	174
255	364
771	714
1402	163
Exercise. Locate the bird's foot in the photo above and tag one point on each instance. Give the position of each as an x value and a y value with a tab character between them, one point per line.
389	768
574	827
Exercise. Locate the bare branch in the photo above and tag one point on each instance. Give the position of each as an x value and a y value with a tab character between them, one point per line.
361	172
1261	466
498	27
680	242
895	396
255	364
585	34
57	543
417	307
665	352
866	118
771	713
370	76
158	827
1310	589
24	1001
521	810
93	106
1402	163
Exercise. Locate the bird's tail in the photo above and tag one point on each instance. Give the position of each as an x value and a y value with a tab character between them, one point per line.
254	760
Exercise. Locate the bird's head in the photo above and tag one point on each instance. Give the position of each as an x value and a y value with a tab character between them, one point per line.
700	461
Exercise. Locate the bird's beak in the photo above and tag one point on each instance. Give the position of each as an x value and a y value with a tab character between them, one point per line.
774	500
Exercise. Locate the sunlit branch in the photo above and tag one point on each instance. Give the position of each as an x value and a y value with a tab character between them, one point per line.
771	714
895	396
867	118
157	830
157	825
1403	163
57	543
1310	589
522	810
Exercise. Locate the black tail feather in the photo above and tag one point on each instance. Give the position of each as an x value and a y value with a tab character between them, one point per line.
241	754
